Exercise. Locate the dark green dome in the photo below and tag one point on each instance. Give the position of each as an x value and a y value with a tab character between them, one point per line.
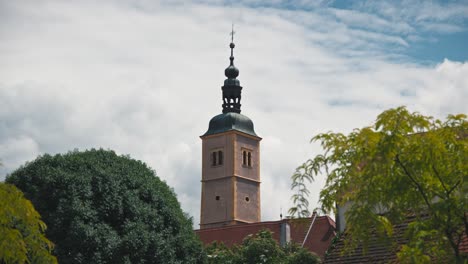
230	121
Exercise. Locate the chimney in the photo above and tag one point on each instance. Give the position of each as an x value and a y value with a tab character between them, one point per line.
285	233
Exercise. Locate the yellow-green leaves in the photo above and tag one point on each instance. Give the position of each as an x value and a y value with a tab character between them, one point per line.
404	164
22	238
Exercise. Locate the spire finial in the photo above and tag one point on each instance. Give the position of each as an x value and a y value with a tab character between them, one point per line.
232	33
232	45
231	88
232	72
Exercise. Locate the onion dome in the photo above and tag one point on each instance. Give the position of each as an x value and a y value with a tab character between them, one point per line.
230	121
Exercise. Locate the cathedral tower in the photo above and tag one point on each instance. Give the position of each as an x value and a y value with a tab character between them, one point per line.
230	162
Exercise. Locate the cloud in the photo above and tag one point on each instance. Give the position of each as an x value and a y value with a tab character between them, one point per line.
445	28
143	78
431	15
372	22
15	150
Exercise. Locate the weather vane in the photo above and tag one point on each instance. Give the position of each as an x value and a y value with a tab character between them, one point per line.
232	33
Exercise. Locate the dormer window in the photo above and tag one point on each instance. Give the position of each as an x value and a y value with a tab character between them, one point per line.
217	158
247	158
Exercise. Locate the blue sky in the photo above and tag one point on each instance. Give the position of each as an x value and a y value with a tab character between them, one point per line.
143	77
440	26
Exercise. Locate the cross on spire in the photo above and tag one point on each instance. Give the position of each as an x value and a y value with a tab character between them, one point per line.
232	33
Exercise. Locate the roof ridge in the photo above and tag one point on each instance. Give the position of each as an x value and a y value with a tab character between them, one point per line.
241	225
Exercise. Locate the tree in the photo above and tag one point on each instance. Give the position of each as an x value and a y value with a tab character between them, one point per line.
105	208
260	248
218	253
405	164
22	238
299	255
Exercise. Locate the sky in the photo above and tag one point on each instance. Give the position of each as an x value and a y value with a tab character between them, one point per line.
144	78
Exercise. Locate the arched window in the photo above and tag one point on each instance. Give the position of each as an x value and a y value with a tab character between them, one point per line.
213	159
217	157
247	158
220	157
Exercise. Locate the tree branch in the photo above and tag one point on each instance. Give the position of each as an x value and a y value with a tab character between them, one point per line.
440	179
455	186
418	186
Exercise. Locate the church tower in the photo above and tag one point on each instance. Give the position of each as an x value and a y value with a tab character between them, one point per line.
230	161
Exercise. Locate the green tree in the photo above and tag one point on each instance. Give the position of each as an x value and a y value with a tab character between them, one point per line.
261	248
404	164
105	208
218	253
22	238
299	255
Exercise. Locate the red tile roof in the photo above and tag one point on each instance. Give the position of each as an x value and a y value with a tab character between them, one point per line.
464	245
377	251
318	240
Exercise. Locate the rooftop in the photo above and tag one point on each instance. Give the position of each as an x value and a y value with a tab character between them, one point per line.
318	240
230	121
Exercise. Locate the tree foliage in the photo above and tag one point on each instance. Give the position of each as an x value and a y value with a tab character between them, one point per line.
22	238
260	248
404	164
105	208
297	255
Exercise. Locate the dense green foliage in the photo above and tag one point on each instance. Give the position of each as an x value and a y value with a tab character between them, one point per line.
404	164
260	248
103	208
22	238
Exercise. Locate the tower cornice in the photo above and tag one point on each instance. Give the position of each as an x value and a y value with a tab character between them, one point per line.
232	131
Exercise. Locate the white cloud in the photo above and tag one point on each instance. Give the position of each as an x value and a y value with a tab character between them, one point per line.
371	21
15	150
445	28
143	78
433	16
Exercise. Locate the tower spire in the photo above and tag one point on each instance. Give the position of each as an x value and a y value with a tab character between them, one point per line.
231	88
232	45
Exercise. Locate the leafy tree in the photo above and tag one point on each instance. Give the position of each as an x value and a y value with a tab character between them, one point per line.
299	255
260	248
105	208
218	253
22	238
405	164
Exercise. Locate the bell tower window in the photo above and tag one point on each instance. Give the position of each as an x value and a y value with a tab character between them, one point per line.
213	159
217	158
246	158
220	157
